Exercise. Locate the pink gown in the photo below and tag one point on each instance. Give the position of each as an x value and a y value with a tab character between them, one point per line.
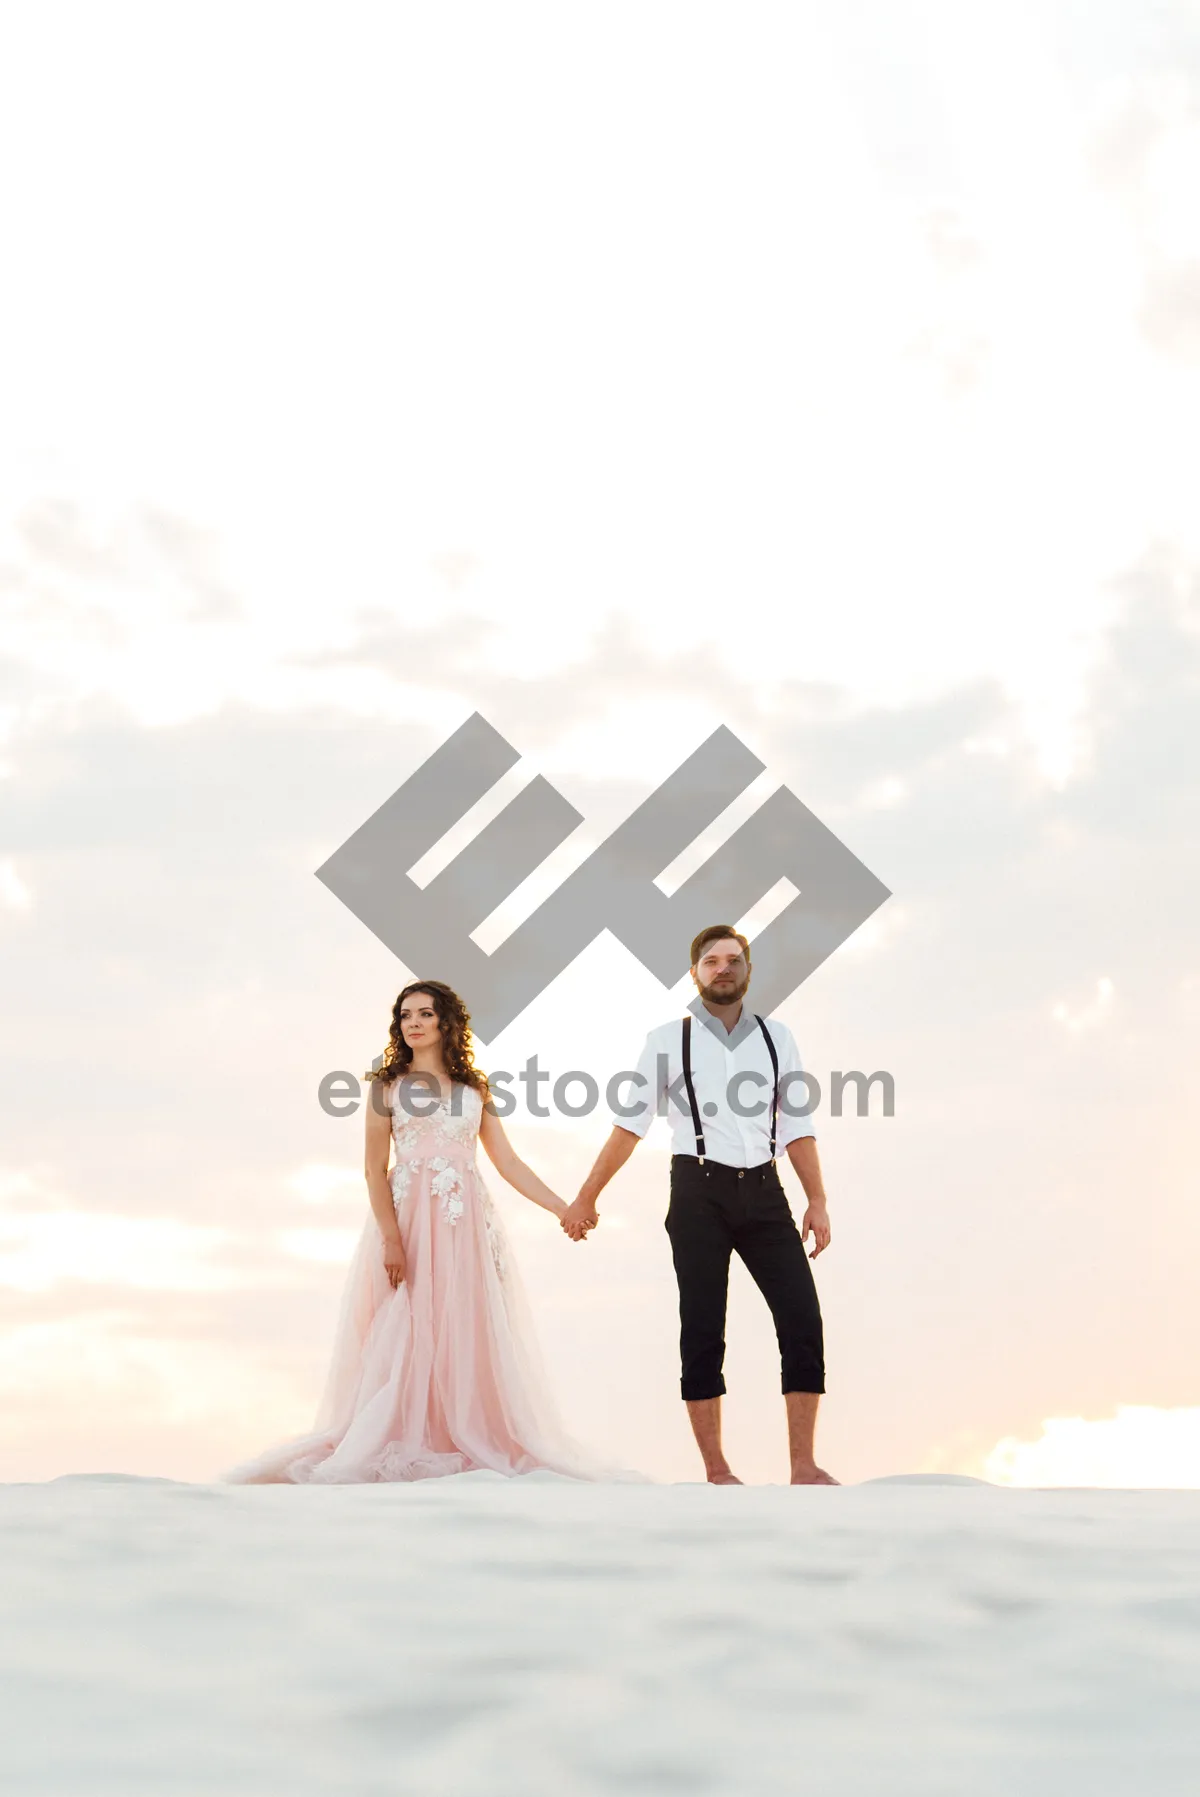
441	1374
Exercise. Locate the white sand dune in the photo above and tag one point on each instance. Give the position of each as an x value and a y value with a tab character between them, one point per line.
477	1637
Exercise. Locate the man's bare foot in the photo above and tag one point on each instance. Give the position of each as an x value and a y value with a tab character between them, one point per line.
722	1475
812	1475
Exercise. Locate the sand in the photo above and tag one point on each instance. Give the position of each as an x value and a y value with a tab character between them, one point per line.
490	1637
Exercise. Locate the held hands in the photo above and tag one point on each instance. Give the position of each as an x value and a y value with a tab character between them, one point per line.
579	1217
816	1218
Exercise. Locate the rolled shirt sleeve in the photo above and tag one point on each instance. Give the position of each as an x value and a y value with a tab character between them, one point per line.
795	1092
639	1095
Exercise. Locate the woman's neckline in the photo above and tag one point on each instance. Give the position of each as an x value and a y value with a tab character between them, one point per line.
426	1094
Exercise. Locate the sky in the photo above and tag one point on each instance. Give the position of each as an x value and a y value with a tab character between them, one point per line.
617	373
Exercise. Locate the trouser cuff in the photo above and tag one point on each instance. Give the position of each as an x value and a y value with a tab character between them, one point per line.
699	1388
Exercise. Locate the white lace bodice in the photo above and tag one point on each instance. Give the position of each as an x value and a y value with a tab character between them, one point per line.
440	1148
451	1128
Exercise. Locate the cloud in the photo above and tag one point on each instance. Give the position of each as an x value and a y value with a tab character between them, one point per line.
37	1252
332	1246
15	895
1145	153
1138	1446
48	1242
1171	311
873	531
1089	1015
323	1184
185	982
98	1393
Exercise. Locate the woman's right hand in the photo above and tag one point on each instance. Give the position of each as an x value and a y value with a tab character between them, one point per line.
393	1261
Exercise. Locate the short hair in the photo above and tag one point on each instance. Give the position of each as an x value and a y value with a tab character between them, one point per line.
716	932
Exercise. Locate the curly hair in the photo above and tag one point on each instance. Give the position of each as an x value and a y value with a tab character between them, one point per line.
454	1022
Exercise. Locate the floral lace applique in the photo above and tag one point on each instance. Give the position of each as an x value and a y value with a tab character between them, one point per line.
404	1134
461	1128
450	1117
401	1175
455	1116
447	1185
495	1234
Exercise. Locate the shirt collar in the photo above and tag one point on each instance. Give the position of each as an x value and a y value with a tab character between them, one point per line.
745	1025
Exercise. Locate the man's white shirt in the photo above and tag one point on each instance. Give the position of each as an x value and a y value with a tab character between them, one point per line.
731	1073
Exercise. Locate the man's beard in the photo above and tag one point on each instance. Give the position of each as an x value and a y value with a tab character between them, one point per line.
725	995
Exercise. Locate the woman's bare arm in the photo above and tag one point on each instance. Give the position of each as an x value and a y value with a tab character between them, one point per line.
511	1167
581	1216
375	1165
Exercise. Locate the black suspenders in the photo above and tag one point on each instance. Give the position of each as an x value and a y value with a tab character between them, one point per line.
774	1078
691	1090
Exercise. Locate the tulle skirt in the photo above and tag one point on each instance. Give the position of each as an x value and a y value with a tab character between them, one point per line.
441	1374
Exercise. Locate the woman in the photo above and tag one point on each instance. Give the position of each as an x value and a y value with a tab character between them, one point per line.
435	1367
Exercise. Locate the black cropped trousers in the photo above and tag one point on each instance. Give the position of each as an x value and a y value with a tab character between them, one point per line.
716	1211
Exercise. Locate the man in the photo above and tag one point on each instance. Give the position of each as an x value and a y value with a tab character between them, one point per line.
726	1196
